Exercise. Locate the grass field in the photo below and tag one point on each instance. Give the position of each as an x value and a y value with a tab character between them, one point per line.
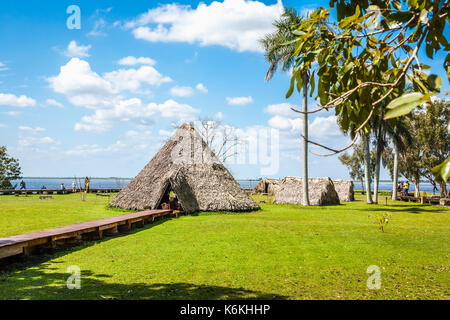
280	252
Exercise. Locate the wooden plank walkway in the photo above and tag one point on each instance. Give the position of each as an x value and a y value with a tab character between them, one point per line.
53	191
24	243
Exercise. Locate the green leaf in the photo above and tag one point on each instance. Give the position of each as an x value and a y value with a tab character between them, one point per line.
298	33
299	81
291	87
435	82
312	83
404	104
442	171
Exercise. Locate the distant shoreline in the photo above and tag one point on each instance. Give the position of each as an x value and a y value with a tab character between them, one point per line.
126	178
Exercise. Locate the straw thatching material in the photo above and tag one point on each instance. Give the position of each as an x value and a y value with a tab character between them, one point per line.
344	190
186	165
268	186
321	191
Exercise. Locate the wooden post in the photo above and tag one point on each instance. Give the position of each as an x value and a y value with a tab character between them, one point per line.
422	200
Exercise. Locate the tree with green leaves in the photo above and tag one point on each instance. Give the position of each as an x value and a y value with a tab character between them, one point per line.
9	169
365	58
355	164
279	49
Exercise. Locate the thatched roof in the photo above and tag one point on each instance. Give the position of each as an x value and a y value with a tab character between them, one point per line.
266	185
321	191
186	165
344	190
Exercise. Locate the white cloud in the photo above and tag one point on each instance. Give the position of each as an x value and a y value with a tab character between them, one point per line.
239	101
81	85
2	125
77	51
135	112
53	103
179	91
30	129
325	127
281	109
84	87
12	100
132	61
201	87
131	79
284	123
236	24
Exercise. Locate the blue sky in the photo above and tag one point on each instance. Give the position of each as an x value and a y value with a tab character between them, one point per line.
101	100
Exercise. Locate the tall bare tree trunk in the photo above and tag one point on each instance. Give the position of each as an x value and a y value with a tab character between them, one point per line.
443	189
305	139
417	185
395	174
362	184
378	160
367	167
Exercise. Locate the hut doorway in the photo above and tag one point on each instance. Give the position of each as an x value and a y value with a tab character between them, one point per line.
266	187
169	200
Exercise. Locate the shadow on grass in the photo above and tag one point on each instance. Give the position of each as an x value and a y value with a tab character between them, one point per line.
43	283
404	208
20	262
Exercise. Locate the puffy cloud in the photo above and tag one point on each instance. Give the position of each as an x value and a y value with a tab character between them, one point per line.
201	87
84	87
281	109
131	79
132	61
2	125
81	85
322	126
135	112
239	101
77	51
179	91
284	123
12	100
236	24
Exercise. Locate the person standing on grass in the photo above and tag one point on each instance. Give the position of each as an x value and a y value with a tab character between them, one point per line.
74	189
22	185
87	183
406	188
63	188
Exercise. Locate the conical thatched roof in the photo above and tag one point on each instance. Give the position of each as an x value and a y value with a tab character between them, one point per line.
321	191
186	165
344	190
266	185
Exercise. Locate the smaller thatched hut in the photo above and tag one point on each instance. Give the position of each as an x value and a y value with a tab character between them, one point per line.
267	186
321	191
344	190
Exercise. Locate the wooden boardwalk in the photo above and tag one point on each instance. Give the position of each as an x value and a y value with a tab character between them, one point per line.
54	191
25	243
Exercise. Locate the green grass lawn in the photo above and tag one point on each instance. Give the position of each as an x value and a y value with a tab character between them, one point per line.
280	252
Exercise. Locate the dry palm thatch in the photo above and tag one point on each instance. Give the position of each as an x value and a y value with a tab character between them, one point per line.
344	190
186	165
321	191
267	186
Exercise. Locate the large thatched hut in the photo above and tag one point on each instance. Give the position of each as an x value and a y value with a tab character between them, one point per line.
344	190
321	191
188	167
267	186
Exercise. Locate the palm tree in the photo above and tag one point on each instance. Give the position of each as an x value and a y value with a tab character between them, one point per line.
279	52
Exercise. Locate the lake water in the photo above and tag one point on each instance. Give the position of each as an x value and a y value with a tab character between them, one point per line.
55	183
